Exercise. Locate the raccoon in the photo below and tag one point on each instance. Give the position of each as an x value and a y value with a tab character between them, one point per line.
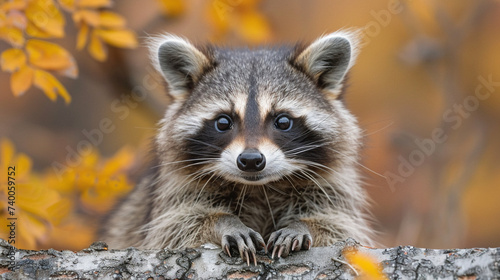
257	145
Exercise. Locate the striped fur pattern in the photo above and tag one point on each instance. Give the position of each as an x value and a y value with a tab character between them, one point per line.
279	107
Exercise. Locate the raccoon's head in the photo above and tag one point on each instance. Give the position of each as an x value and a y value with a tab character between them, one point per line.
257	116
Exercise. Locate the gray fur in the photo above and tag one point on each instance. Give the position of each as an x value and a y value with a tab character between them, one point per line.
188	203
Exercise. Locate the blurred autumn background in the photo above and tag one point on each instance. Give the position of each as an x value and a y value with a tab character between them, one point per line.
80	102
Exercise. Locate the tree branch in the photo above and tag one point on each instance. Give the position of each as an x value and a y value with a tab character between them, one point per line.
208	262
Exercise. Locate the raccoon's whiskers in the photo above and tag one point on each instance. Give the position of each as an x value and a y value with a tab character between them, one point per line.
182	161
204	185
378	130
241	199
269	205
339	195
276	189
191	178
313	179
205	143
328	170
158	179
190	165
289	179
356	162
304	149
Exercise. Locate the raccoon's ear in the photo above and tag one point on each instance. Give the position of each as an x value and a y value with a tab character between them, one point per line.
328	59
181	63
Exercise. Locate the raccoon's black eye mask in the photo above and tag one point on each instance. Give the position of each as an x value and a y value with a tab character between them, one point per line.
282	122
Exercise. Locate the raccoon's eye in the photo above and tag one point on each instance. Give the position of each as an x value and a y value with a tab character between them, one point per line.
283	122
223	123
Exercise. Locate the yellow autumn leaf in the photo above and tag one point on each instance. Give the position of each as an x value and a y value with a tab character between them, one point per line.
21	80
68	5
83	35
50	86
13	36
248	4
48	55
60	210
34	31
254	27
36	199
29	231
91	159
218	14
101	196
367	265
173	8
89	17
32	198
120	161
96	48
119	38
6	155
111	20
9	158
94	3
70	72
25	164
46	16
13	5
12	59
3	18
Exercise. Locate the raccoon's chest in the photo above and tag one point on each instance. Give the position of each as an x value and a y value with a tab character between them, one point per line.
263	210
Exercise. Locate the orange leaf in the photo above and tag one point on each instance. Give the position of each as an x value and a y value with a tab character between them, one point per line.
83	34
86	16
50	86
12	35
46	16
173	8
48	55
94	3
96	48
367	264
111	20
21	80
12	59
119	38
13	5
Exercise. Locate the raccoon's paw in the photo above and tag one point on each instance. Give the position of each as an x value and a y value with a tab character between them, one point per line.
291	238
246	240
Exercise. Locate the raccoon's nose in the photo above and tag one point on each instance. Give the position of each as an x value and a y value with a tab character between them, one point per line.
251	160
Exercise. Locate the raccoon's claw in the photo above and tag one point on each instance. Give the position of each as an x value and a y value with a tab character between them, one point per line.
248	242
292	238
